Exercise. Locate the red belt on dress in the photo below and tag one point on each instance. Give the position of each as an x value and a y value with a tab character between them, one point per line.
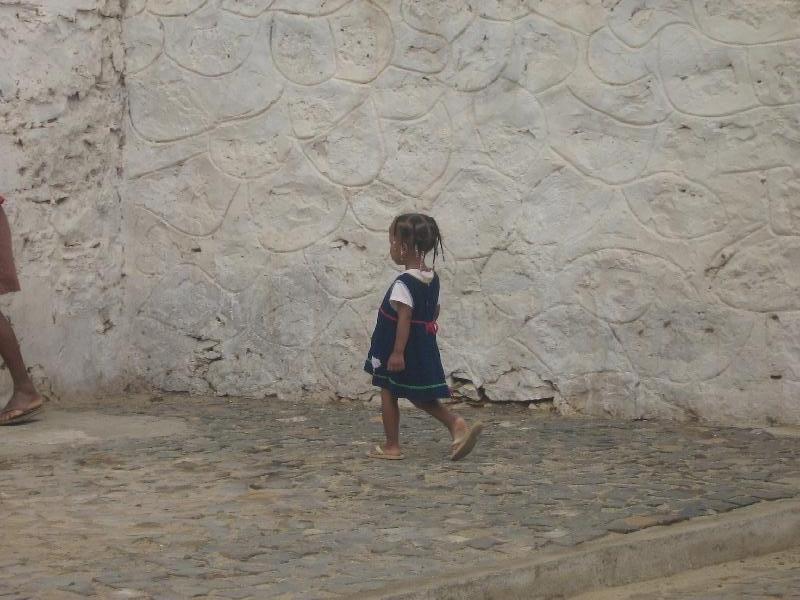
431	327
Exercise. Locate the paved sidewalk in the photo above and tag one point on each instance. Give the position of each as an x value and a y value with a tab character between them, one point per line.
761	578
183	497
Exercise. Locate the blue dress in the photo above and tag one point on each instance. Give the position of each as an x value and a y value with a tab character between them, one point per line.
423	378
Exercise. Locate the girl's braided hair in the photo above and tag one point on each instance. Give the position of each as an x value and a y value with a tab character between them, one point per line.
419	232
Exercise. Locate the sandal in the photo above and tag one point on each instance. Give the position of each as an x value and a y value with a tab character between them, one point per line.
22	416
379	452
464	445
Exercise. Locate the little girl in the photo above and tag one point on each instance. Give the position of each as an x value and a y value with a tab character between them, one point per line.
403	356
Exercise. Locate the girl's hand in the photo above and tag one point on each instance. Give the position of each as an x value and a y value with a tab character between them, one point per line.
396	363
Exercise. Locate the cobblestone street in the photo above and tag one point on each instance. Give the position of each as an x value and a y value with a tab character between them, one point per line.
177	497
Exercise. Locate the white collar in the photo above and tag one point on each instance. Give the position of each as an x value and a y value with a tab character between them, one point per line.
423	276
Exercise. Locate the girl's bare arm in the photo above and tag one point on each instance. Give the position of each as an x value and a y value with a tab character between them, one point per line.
397	361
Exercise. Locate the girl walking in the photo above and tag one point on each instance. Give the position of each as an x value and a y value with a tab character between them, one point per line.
404	356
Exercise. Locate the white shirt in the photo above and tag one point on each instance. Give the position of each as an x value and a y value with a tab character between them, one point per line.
400	292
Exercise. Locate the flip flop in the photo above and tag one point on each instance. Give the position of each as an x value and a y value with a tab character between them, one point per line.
379	453
23	417
464	445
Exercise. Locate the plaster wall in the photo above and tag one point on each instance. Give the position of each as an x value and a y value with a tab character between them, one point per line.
616	182
62	104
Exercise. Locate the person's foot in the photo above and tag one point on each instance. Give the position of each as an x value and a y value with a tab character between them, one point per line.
386	452
460	429
21	404
464	444
391	450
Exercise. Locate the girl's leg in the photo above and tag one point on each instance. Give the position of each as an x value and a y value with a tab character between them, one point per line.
25	396
455	424
391	422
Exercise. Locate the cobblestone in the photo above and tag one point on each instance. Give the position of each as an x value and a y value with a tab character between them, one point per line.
262	499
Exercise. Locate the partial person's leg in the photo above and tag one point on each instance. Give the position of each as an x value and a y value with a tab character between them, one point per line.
391	423
464	436
455	424
25	398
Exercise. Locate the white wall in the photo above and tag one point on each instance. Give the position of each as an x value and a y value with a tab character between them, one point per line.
615	182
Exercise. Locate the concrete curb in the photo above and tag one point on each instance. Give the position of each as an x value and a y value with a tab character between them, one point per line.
619	559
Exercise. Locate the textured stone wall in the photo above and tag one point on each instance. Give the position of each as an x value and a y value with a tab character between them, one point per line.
61	114
615	181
